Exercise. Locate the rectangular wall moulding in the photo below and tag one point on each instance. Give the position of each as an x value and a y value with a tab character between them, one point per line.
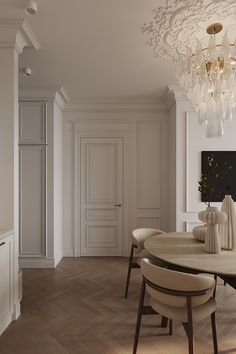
32	119
101	214
152	222
189	225
101	160
33	205
149	164
101	236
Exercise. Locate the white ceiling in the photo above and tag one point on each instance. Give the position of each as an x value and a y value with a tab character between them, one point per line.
94	48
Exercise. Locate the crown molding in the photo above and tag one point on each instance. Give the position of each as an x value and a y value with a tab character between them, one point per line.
168	98
58	96
30	35
16	33
37	95
61	98
116	107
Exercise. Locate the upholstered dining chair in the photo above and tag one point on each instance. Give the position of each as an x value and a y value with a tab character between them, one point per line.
138	236
177	296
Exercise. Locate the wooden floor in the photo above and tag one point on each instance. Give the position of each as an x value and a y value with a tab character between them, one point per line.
79	308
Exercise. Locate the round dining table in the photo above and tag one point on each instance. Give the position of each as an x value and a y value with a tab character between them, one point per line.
181	251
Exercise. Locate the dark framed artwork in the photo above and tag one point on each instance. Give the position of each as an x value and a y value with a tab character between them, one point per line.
228	184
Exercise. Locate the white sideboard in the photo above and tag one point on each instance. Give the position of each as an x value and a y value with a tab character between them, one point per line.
6	279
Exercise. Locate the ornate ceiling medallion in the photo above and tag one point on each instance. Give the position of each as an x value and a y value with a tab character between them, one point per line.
206	66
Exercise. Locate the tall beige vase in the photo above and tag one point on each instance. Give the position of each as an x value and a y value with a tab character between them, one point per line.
212	217
227	230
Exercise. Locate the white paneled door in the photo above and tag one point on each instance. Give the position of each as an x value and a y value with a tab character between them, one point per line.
101	196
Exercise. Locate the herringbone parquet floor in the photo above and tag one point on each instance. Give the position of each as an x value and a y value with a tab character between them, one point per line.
79	308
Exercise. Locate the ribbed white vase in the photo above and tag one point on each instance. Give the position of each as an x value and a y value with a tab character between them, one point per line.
212	217
227	230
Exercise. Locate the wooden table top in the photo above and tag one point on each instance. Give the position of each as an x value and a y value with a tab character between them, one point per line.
182	249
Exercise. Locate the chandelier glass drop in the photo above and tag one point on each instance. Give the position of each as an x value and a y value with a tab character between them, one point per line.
208	78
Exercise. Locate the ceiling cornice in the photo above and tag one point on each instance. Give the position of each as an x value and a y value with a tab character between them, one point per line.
116	107
16	33
61	98
37	95
30	35
57	95
173	94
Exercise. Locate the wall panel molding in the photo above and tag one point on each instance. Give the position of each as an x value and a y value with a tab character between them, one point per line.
149	221
90	149
32	123
93	214
189	225
148	165
91	122
25	235
108	236
100	125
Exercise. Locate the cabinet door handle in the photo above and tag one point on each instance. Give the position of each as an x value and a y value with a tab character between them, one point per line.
2	243
119	205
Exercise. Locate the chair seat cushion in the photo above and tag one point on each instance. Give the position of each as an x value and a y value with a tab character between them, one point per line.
180	313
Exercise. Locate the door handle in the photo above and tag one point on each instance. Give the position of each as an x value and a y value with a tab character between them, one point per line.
118	205
2	243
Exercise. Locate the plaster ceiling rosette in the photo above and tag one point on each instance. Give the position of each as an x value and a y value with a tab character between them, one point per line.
180	23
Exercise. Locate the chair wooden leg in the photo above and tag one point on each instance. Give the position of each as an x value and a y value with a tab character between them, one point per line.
214	333
170	327
190	326
129	271
214	293
190	338
139	317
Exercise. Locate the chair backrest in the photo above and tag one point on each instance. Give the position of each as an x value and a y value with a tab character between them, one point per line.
139	236
181	283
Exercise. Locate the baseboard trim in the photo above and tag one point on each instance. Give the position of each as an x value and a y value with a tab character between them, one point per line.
36	263
5	321
17	311
58	260
68	253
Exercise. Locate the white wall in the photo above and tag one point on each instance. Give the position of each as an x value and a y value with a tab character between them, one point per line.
172	169
146	164
8	122
190	141
58	183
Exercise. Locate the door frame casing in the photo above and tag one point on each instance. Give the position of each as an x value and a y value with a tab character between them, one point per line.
118	130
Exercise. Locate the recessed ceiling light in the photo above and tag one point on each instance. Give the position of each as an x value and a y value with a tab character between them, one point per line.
31	7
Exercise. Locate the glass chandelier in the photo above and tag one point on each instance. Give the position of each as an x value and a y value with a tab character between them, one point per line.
208	78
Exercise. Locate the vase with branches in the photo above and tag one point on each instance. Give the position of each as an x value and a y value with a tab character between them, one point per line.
209	186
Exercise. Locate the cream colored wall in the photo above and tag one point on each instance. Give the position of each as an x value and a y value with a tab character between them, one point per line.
146	154
58	183
172	169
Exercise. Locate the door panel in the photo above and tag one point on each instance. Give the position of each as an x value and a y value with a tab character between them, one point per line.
101	189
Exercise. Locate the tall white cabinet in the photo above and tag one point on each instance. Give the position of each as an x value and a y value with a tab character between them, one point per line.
40	125
33	178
